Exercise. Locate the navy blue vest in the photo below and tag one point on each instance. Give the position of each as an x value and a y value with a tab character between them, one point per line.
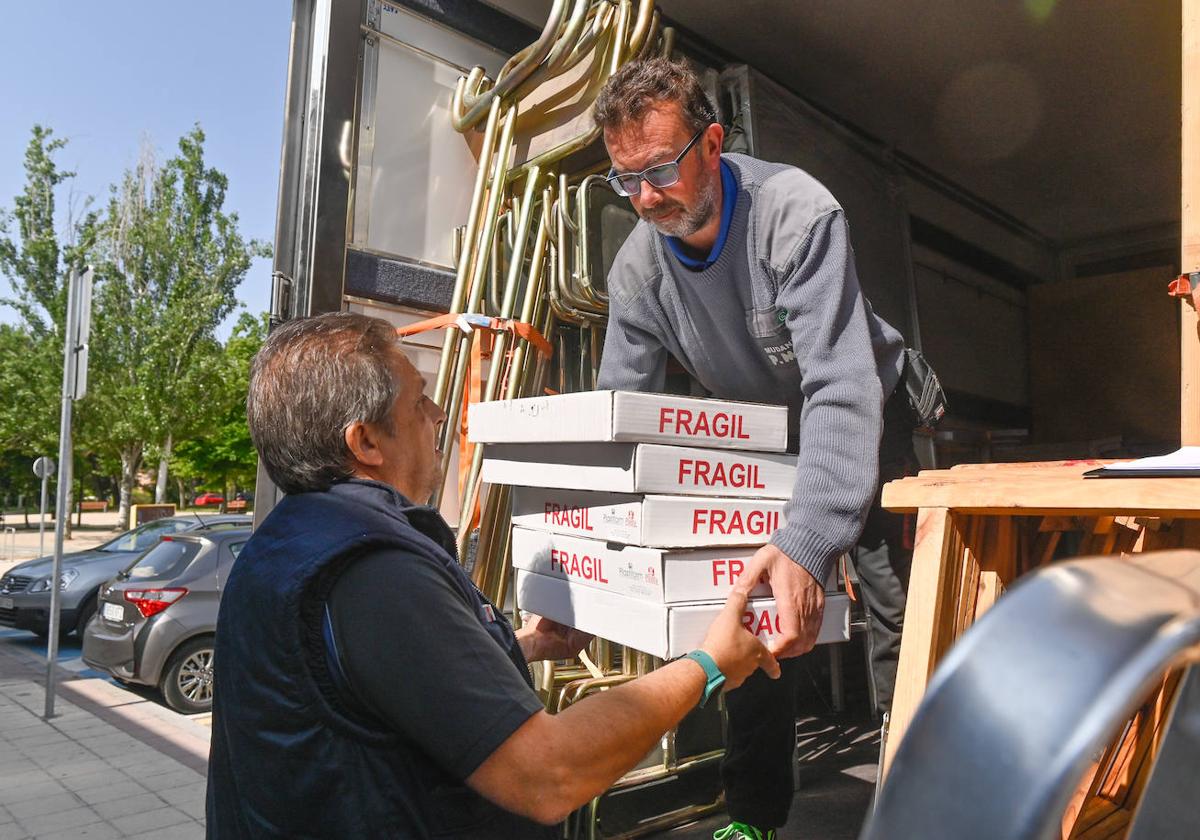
287	758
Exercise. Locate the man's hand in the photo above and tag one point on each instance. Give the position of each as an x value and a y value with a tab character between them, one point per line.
799	599
541	638
737	651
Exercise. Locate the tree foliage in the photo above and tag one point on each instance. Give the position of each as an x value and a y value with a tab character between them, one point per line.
223	453
168	259
36	264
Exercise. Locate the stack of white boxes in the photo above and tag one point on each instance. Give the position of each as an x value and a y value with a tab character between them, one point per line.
635	513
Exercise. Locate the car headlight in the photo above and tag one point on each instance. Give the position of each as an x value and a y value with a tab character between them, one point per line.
64	580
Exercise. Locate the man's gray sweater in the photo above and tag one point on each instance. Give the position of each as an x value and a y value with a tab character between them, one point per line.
778	318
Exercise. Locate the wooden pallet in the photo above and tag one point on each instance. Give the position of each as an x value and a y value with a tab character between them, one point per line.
979	528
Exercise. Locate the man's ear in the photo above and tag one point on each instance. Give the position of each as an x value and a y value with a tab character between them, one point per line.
713	141
362	439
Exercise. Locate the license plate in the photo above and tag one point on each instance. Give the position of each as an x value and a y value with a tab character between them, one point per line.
114	612
6	603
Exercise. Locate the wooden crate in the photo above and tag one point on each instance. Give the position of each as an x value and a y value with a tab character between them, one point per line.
979	528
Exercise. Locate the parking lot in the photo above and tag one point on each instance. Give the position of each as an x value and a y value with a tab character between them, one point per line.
23	544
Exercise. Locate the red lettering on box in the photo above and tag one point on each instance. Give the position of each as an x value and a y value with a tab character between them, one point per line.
755	523
731	569
760	623
664	417
685	467
568	516
573	565
683	421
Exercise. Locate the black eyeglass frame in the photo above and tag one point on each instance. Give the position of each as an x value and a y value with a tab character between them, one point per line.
614	178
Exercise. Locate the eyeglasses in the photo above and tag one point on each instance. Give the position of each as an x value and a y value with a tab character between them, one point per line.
660	177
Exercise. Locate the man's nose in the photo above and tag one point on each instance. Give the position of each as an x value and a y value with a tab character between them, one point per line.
649	195
435	412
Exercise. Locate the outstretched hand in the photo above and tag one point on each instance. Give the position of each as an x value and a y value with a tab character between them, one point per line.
542	638
799	599
737	651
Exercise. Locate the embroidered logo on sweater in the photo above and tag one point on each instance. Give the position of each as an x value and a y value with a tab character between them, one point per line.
769	329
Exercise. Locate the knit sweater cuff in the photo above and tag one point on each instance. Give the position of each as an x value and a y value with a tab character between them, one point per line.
808	549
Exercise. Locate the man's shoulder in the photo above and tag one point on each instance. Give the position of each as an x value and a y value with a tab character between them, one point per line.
635	268
786	203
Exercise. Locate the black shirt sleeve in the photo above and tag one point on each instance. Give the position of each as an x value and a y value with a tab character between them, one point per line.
416	656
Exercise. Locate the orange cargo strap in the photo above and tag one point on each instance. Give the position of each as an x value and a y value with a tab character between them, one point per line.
468	322
480	328
1184	284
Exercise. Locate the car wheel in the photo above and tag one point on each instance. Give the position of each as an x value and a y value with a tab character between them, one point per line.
187	684
87	609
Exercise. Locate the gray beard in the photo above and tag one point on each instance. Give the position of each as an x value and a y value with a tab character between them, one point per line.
691	220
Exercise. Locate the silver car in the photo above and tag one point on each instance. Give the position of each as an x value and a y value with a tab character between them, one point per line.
25	588
156	619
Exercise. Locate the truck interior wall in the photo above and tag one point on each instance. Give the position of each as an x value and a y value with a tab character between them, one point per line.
1105	359
786	130
969	270
973	330
1148	247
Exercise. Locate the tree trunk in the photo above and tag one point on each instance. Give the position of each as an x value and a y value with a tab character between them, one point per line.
182	500
160	489
131	460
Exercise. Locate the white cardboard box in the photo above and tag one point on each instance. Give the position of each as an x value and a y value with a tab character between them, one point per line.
649	574
654	521
641	468
663	630
596	416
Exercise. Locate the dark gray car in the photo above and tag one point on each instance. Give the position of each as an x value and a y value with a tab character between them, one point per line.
157	618
25	588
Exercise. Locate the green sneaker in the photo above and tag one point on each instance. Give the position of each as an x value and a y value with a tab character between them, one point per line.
741	831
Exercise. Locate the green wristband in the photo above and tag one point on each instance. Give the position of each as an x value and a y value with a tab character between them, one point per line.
715	678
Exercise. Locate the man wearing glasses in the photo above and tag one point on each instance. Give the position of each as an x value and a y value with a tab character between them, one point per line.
742	271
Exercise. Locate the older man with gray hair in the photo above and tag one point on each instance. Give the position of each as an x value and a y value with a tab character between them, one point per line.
364	687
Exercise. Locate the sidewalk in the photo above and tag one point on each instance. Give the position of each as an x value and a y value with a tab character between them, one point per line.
109	764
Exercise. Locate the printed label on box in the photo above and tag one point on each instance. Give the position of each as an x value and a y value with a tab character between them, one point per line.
633	571
641	468
663	630
652	521
630	416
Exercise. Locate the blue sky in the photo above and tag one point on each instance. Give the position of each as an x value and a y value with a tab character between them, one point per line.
105	75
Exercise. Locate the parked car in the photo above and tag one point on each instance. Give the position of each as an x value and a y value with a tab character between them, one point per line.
157	618
25	588
205	499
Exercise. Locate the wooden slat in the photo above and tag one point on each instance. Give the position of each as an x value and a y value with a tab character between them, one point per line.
927	600
1047	495
990	589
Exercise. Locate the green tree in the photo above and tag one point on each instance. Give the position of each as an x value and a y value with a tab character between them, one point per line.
169	260
36	260
224	452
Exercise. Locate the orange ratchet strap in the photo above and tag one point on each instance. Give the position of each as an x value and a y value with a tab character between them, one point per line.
468	322
1184	284
481	329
